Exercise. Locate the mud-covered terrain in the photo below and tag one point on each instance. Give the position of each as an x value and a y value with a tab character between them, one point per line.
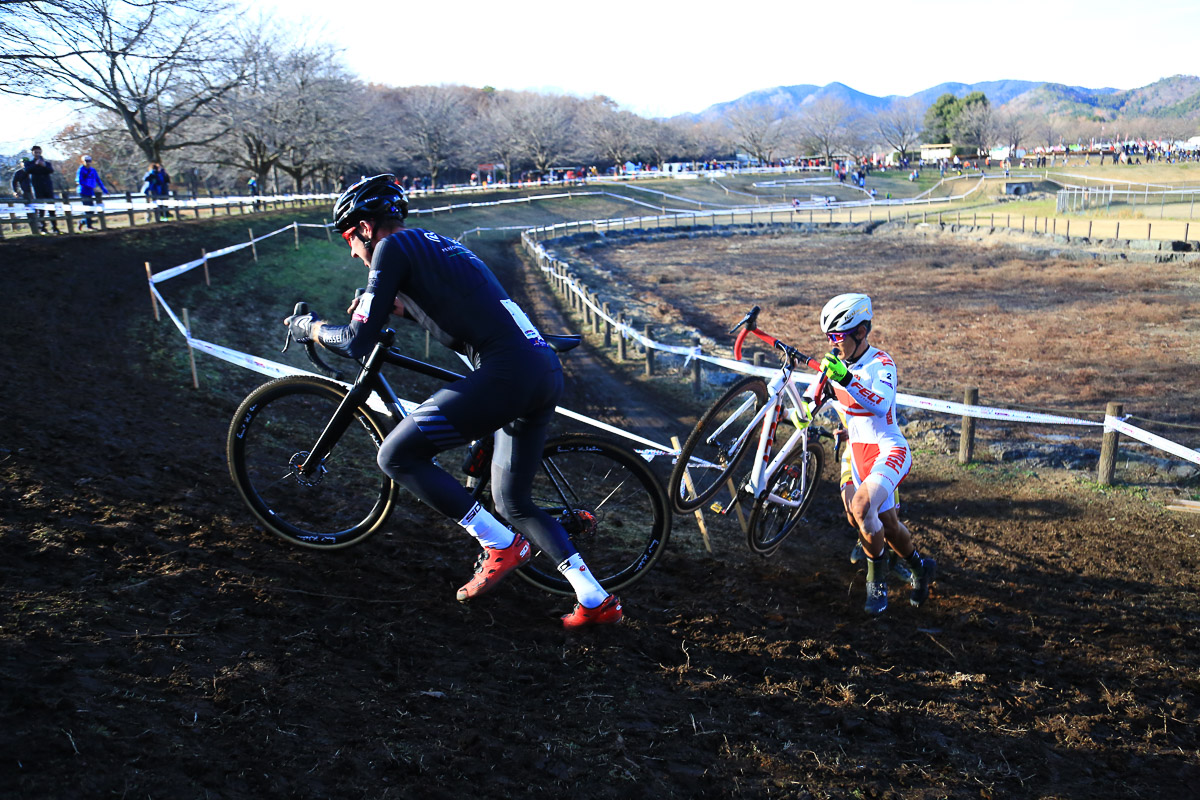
154	643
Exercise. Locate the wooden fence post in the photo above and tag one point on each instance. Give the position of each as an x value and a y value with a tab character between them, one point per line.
621	338
66	196
687	481
649	351
595	298
253	247
204	256
966	439
153	299
129	208
696	366
296	234
607	326
1108	448
191	353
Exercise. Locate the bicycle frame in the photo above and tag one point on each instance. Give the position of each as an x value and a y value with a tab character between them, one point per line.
766	461
370	381
782	396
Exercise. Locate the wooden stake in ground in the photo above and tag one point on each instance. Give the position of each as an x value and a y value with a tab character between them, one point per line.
187	327
1108	448
253	248
204	255
687	481
153	299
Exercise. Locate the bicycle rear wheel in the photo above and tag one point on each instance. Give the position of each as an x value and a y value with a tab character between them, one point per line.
710	454
771	522
345	501
610	503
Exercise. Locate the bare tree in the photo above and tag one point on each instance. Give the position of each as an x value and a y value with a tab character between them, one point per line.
544	127
825	126
430	125
493	134
157	65
759	130
665	139
900	126
975	126
613	134
1012	130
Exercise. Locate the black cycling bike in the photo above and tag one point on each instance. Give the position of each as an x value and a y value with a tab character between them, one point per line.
302	453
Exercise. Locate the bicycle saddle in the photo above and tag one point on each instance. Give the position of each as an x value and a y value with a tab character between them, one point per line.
563	342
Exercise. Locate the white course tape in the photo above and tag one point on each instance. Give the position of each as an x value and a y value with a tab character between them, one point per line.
985	412
173	272
902	399
1112	423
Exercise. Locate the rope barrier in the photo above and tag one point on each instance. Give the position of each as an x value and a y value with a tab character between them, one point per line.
535	247
537	250
275	369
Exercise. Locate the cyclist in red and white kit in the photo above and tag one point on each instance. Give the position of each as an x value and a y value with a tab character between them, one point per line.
865	389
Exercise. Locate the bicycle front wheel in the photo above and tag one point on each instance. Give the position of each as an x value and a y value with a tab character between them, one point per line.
345	500
611	505
712	451
796	482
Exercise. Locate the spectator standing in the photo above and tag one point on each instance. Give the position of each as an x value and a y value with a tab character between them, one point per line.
164	188
91	188
155	185
40	170
252	186
22	188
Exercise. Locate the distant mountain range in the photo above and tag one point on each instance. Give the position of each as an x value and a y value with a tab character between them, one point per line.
1174	97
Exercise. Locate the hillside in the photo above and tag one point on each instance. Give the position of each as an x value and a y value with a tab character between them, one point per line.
155	643
1174	97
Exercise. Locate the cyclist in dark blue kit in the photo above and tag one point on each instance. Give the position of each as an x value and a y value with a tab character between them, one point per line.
512	391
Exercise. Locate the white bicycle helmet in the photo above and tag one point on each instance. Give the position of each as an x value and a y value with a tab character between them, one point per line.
845	312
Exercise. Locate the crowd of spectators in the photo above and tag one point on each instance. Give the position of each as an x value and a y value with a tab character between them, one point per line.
32	181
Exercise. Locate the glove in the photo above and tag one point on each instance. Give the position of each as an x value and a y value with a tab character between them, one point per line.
836	369
801	419
300	327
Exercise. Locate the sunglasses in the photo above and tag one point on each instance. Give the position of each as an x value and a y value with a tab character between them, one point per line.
838	337
348	236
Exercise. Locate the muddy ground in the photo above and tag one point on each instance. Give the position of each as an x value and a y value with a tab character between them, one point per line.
154	643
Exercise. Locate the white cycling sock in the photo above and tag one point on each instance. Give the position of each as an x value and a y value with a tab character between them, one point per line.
587	589
490	531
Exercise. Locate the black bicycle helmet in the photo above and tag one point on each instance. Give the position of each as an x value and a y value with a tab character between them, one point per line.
377	196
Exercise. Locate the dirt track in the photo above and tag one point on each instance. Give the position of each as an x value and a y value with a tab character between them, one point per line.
153	643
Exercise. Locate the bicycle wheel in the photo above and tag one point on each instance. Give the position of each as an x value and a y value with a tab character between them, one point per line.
271	433
796	479
610	503
708	457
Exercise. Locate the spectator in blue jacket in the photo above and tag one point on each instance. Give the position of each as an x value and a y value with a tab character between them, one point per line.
156	186
91	188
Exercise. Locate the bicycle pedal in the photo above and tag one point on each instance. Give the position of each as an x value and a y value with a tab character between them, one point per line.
718	508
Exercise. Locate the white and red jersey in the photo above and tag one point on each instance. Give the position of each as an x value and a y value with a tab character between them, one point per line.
868	406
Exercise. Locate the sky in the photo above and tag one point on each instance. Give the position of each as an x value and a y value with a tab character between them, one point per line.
664	58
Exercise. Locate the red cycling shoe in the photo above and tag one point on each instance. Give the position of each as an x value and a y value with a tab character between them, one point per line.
607	613
493	566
